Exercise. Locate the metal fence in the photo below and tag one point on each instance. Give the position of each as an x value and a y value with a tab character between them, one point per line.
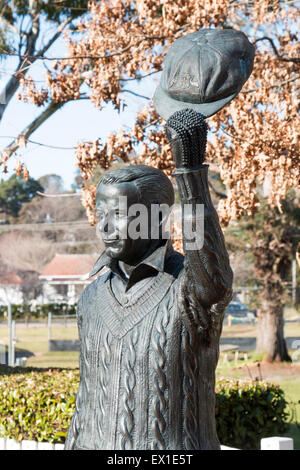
63	319
3	354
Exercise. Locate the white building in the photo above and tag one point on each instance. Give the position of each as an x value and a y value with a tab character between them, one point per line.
10	288
65	277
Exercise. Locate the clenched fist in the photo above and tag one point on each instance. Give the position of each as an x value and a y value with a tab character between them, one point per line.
186	130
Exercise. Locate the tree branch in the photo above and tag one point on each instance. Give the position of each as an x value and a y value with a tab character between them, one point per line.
29	130
96	57
13	83
215	191
58	195
296	60
151	123
139	77
10	26
135	94
54	37
277	85
38	143
35	124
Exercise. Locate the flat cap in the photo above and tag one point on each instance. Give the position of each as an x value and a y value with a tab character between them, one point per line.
204	71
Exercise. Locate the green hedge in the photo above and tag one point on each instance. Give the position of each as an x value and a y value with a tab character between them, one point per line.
247	411
38	404
23	311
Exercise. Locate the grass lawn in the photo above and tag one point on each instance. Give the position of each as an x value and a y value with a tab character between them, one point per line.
246	330
64	359
291	388
35	339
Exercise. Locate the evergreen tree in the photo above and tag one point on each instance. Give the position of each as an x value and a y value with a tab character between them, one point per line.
15	192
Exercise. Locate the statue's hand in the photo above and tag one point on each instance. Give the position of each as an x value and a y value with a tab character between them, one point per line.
186	131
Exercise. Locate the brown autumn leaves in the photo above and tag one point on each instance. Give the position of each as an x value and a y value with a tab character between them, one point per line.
254	142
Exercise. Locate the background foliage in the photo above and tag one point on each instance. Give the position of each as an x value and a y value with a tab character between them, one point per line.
37	405
15	192
38	311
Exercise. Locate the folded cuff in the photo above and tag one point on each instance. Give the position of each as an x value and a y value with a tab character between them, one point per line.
193	184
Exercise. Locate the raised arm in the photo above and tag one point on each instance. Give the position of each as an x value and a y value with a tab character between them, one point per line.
207	278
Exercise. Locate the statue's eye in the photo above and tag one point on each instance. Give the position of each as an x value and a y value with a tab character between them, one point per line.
100	214
120	214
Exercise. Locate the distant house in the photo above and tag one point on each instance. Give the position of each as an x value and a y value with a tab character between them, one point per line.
10	288
65	277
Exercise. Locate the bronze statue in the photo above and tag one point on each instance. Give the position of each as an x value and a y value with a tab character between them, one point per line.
149	327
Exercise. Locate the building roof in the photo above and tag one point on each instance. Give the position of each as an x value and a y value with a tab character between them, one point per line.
69	266
10	278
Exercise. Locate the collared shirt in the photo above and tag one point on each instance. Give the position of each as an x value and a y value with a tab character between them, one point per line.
141	275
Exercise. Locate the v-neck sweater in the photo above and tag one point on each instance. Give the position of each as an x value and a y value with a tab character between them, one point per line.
139	371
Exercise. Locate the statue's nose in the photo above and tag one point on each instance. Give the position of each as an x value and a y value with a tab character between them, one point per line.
102	224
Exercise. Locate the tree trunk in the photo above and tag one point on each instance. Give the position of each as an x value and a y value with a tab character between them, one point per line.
270	333
13	84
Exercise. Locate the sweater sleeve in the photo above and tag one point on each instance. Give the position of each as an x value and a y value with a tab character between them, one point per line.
207	277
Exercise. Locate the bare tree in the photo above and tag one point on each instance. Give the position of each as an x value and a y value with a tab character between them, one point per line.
22	34
58	209
28	252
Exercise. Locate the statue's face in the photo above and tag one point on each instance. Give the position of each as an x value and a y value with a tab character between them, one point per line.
114	222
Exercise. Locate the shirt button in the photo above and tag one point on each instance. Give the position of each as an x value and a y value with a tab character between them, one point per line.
124	299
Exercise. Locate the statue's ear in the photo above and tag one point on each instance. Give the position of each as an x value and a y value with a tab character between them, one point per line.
160	220
160	214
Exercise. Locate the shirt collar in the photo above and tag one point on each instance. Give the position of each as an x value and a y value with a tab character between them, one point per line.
156	260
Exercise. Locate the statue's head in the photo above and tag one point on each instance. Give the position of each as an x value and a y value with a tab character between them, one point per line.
132	205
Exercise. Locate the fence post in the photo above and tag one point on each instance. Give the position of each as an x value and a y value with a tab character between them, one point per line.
9	321
49	325
294	282
13	342
2	354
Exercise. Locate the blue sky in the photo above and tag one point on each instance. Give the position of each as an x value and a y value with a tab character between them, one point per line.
75	122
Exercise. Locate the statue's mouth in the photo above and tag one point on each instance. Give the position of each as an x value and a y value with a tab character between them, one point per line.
109	241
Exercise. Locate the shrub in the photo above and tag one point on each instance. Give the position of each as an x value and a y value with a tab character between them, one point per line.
23	311
38	404
247	411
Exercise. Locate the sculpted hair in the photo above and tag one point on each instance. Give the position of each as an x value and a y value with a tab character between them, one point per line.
153	186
